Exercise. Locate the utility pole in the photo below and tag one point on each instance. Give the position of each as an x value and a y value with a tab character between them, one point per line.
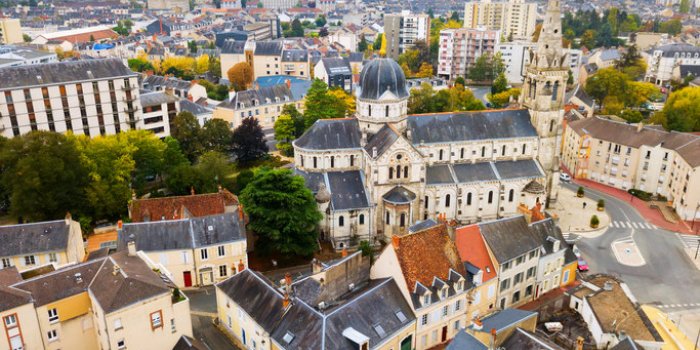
697	339
697	250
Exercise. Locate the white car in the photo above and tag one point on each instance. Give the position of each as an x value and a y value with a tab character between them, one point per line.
564	177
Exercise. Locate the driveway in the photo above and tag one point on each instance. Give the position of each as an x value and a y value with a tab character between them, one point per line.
668	278
203	310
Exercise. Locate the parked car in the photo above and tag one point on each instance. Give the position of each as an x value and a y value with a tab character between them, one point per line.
564	177
582	265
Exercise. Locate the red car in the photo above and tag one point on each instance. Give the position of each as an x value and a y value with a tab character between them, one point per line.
582	265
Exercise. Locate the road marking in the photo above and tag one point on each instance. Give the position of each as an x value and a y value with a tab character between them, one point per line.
613	223
628	224
634	225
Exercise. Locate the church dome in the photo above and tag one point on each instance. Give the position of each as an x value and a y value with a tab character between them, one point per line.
381	75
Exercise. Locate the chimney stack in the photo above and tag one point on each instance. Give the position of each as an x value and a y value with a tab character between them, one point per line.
344	253
131	247
285	301
192	190
241	266
395	241
68	218
640	126
579	343
492	346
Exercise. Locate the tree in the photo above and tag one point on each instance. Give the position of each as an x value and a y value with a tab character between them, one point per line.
460	81
43	175
249	141
425	70
632	116
377	45
240	76
216	136
672	27
211	170
26	38
500	84
684	6
285	134
454	99
607	81
185	128
319	104
298	118
682	110
454	16
201	64
282	212
362	46
343	102
321	21
588	39
501	99
214	67
612	105
297	30
172	155
148	156
323	32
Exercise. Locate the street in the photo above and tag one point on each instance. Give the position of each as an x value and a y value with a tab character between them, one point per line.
668	278
203	309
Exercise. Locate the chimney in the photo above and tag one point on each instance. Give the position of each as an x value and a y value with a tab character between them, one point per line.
556	245
131	246
240	212
640	126
68	218
120	225
285	301
492	346
288	82
395	241
316	266
115	269
579	343
192	190
344	253
374	152
288	281
241	266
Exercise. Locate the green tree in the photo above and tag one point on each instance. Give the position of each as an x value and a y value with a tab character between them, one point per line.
298	118
26	38
500	84
589	38
148	156
320	21
632	116
43	175
319	104
282	212
362	46
684	6
297	30
682	110
249	141
211	170
284	134
216	136
672	27
377	45
454	16
172	155
185	128
607	81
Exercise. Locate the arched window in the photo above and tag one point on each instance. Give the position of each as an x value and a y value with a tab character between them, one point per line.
398	171
555	91
490	197
302	161
387	111
503	150
483	151
425	204
461	153
447	201
551	125
387	218
524	147
511	193
352	160
402	223
469	198
362	219
332	161
369	110
405	171
341	221
315	162
440	155
391	173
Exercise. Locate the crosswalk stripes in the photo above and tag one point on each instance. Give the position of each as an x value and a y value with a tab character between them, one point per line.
637	225
684	306
690	241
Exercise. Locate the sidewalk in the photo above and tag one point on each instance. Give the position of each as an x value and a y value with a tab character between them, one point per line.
573	218
652	215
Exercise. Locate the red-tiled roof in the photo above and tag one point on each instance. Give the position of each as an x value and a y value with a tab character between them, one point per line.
427	254
173	208
472	249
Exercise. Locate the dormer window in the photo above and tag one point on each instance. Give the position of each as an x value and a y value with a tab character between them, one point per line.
443	293
460	285
426	299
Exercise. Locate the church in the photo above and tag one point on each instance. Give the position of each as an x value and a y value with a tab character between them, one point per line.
377	173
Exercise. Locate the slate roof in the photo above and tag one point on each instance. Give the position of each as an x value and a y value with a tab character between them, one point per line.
331	134
347	190
583	96
506	319
382	140
63	73
311	179
233	47
156	99
482	171
422	225
466	341
256	295
526	168
187	343
268	48
399	195
32	238
508	238
60	284
475	172
381	75
152	82
336	65
195	109
626	344
135	282
523	340
469	126
472	249
687	145
687	70
178	207
156	236
295	55
438	174
670	50
259	97
11	297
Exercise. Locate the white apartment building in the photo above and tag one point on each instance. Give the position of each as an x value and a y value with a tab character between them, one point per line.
514	18
95	97
10	31
158	109
401	31
664	61
516	59
20	55
459	49
636	157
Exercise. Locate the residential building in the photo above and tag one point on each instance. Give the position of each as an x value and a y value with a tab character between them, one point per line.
516	59
21	55
266	58
516	253
328	309
232	52
612	314
77	36
91	97
432	279
335	72
202	113
264	104
174	86
402	31
662	61
278	4
628	156
10	31
177	6
514	18
182	207
109	303
28	246
295	63
346	37
195	250
480	268
461	47
557	263
158	110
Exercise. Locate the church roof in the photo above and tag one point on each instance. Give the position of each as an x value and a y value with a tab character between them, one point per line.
399	195
482	171
466	126
382	140
347	190
382	75
328	134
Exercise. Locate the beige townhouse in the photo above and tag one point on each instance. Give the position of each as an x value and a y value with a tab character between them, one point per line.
482	270
28	246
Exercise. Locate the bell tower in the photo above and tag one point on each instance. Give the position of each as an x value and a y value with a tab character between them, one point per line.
543	94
